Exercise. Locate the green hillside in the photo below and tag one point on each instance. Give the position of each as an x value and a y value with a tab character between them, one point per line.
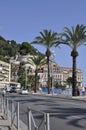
9	48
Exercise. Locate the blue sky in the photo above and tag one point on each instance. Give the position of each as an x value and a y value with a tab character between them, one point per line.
22	20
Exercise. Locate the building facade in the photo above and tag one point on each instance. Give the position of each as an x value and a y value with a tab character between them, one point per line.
5	73
60	74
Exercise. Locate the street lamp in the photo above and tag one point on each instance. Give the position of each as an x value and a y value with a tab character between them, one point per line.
26	77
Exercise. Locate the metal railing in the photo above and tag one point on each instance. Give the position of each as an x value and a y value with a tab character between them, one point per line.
32	119
10	109
1	106
35	119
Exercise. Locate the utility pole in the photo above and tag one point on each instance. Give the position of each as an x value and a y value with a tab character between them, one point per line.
26	78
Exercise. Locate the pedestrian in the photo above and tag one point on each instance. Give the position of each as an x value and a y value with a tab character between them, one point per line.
40	89
3	93
83	91
78	92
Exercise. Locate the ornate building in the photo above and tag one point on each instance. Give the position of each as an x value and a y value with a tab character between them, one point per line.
60	74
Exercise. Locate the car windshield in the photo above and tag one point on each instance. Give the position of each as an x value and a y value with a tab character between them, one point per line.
24	89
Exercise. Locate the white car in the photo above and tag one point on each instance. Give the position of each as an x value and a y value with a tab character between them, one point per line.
24	91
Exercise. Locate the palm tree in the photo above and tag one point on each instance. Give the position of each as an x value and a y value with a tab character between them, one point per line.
74	37
47	38
37	61
69	81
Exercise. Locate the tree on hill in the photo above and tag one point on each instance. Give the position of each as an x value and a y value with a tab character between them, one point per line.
26	48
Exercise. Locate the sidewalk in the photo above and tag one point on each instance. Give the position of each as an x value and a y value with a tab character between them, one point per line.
81	97
5	124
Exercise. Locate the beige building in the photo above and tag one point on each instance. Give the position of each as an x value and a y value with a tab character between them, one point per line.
60	75
5	73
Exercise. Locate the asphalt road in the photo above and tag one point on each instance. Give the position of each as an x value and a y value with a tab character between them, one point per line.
65	113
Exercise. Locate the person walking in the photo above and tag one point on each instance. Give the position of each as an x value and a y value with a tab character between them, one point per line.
83	91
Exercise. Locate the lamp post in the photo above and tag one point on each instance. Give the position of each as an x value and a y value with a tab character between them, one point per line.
26	78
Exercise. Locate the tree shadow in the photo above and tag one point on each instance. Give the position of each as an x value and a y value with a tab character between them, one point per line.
72	116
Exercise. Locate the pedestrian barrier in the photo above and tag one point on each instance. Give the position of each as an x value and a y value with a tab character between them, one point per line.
1	106
10	110
35	119
44	120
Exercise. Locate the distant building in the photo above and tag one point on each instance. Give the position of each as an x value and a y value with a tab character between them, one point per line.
16	63
5	73
14	70
60	74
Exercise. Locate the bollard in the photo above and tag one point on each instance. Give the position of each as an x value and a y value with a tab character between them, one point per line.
11	113
29	119
48	122
7	109
18	116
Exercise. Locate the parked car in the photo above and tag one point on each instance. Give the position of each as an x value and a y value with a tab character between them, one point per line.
24	91
13	90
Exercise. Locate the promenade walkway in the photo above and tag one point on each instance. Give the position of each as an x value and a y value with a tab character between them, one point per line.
5	124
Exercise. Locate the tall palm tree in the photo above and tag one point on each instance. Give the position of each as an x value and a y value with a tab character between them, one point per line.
47	38
74	38
37	61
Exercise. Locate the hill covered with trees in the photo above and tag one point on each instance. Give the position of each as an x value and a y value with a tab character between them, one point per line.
9	48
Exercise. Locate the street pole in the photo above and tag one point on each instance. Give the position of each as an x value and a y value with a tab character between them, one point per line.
26	78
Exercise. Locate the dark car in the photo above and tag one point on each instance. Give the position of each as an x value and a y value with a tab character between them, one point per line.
13	90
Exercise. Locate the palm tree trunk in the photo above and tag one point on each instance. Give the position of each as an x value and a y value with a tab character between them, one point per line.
48	84
35	89
74	81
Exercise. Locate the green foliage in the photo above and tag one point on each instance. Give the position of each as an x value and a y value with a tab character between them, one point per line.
4	59
11	48
8	48
69	80
22	75
26	48
47	38
58	85
37	61
74	37
31	82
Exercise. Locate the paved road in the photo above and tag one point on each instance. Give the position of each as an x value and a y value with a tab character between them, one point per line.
65	113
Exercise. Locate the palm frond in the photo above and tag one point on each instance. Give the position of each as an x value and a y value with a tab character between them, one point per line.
75	36
46	38
37	61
